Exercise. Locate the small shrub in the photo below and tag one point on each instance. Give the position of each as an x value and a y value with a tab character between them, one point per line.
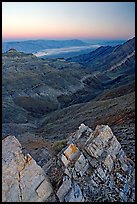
59	145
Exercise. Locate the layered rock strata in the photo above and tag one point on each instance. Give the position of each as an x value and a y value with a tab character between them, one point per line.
97	170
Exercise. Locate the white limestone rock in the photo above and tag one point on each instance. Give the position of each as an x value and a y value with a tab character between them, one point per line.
100	166
22	179
102	135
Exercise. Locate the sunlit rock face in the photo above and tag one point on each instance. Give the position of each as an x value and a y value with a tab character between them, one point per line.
22	179
96	171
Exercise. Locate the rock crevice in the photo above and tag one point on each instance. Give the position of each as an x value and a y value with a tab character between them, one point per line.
22	179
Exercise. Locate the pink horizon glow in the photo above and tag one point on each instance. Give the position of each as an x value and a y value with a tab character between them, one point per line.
89	20
70	36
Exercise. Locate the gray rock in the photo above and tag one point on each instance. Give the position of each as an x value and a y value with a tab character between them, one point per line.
108	162
102	135
64	188
102	167
81	165
82	129
101	173
75	194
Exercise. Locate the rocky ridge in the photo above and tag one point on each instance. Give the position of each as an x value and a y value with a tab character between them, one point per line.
92	167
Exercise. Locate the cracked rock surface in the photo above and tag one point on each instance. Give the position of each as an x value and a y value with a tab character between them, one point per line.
22	179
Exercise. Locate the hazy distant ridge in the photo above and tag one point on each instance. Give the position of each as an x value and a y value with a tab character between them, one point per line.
31	46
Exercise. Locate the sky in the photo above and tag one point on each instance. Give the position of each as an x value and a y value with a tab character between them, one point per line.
68	20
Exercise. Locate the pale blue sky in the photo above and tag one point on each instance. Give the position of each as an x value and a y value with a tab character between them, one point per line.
53	20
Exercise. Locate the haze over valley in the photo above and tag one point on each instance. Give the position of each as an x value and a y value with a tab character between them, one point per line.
58	48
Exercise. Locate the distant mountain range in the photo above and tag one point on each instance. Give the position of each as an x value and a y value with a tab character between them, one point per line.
58	48
32	46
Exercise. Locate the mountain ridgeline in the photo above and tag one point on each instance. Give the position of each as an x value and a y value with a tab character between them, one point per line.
32	46
105	57
36	91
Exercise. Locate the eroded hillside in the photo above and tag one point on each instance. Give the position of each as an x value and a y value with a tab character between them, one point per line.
44	100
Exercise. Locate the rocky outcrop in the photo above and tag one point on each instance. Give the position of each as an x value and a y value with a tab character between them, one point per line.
22	179
95	168
92	168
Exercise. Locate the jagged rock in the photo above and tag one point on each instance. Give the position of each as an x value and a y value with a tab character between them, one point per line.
92	167
101	169
84	131
81	165
22	179
69	191
82	128
69	154
75	194
64	188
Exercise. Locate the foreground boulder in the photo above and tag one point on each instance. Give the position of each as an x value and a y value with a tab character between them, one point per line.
22	179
